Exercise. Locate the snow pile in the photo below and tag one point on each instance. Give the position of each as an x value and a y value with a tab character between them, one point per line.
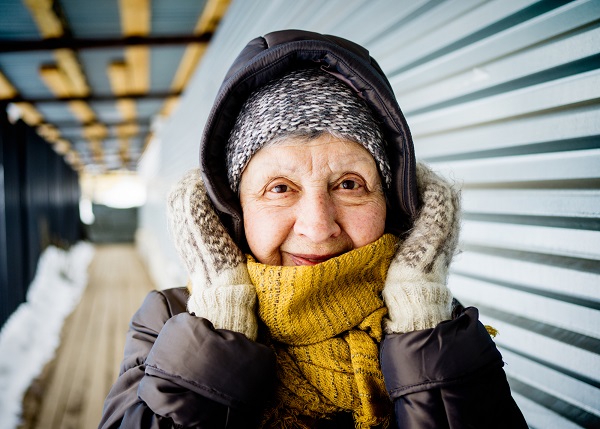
30	337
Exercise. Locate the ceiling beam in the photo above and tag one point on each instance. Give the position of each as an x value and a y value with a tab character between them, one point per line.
7	90
67	61
135	17
56	80
92	43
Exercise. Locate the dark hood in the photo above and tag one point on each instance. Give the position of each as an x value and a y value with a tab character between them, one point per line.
266	58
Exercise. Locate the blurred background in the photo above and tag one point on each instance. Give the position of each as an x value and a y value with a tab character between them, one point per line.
102	109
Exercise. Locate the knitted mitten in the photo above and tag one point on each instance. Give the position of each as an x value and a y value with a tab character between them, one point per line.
221	288
415	290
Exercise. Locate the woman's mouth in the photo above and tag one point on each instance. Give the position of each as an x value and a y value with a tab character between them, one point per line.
310	259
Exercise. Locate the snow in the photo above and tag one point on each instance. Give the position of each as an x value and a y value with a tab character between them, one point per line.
30	337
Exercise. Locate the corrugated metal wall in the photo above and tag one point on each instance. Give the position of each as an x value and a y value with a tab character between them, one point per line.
502	96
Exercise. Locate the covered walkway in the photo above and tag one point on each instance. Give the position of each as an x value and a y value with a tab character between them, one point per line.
71	392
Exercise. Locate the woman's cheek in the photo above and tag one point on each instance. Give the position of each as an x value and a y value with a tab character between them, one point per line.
266	230
365	224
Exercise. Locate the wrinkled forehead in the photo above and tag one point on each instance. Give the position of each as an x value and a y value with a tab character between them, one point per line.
318	158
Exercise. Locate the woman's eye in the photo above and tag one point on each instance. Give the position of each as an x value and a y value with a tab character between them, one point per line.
350	184
279	189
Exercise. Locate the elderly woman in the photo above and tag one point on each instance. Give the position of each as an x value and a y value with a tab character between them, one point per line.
318	253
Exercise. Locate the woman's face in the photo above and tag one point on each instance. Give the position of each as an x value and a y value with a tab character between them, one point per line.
307	201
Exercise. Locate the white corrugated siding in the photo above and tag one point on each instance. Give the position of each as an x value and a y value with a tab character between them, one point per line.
503	97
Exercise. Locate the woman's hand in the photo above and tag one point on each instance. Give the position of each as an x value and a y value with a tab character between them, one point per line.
415	292
221	289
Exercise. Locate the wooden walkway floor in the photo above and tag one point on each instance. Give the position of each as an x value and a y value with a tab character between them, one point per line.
71	392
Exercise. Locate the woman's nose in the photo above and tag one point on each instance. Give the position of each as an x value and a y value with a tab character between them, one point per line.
316	217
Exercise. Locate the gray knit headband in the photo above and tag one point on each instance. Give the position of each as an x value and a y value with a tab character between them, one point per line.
304	102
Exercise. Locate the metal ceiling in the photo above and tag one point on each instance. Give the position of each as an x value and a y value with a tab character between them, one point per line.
92	76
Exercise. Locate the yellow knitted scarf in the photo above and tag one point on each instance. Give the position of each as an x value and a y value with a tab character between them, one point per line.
324	324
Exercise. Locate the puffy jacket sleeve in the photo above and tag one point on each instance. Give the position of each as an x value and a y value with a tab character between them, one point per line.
178	371
449	377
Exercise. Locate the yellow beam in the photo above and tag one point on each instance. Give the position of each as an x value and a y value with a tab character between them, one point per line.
72	157
82	111
47	21
207	23
135	21
96	149
127	109
135	17
6	88
30	114
118	77
67	62
213	12
62	147
95	131
189	61
49	132
127	130
138	61
56	80
169	106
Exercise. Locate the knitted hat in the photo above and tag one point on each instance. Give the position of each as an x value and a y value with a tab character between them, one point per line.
308	103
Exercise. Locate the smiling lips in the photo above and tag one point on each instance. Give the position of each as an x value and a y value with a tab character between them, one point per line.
311	259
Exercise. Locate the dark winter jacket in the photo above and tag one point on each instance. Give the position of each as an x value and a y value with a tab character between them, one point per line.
179	371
